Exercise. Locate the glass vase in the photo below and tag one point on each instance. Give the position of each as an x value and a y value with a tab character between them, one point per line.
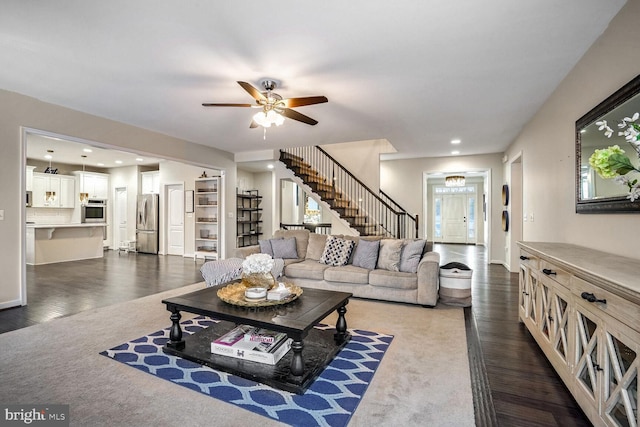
258	280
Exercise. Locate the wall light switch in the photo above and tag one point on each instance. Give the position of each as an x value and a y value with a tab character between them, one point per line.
531	217
1	214
524	218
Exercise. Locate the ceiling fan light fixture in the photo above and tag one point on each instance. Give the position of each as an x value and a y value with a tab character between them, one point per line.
454	181
268	118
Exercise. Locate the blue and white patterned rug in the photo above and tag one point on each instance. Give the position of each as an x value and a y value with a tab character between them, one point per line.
331	399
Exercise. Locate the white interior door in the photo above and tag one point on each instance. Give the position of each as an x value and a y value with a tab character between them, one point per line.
121	210
175	219
454	218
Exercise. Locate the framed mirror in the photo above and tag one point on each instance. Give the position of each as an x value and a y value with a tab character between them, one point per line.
593	193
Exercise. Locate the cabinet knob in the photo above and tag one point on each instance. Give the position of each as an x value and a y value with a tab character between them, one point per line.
524	258
548	272
592	298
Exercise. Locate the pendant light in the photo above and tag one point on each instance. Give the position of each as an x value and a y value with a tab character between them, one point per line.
84	197
49	195
454	181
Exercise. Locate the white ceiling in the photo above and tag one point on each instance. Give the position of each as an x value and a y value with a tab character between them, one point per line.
418	73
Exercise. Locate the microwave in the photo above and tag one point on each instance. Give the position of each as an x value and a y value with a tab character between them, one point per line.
94	211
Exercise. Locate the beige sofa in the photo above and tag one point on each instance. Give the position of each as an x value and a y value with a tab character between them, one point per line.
382	282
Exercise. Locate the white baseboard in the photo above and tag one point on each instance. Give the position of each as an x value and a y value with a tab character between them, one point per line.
9	304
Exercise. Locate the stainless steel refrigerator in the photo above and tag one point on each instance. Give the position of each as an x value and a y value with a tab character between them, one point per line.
147	223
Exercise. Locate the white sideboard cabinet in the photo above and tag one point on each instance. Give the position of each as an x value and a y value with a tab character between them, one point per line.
582	307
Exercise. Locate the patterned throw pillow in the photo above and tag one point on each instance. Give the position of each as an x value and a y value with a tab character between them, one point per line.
336	251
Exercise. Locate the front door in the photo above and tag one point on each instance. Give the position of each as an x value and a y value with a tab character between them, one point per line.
175	219
454	218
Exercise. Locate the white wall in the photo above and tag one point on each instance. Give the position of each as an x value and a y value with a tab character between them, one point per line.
18	111
360	158
547	144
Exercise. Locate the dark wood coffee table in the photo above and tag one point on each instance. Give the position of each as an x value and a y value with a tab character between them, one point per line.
311	349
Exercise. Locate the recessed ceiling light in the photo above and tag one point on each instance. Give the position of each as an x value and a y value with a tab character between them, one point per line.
139	159
118	162
455	152
455	141
87	150
100	164
270	166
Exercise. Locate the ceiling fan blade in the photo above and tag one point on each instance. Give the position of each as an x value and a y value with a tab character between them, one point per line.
218	104
308	100
255	93
292	114
253	124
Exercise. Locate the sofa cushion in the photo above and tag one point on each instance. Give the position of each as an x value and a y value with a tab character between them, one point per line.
307	269
389	255
336	251
302	239
410	255
347	274
393	279
316	246
284	248
366	254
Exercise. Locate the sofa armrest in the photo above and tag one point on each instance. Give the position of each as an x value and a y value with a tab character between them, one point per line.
246	251
429	279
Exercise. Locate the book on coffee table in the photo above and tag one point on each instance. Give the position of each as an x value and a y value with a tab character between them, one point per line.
235	344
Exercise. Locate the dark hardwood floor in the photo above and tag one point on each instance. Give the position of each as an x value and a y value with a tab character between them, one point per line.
523	387
66	288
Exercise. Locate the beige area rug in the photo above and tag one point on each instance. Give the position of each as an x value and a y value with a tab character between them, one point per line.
422	380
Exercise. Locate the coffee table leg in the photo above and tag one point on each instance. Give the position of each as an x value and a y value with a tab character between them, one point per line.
297	363
341	324
175	334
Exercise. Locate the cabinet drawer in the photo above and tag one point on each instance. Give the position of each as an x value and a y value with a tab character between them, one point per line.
616	307
554	273
529	260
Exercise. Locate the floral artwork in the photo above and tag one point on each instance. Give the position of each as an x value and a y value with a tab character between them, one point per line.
612	162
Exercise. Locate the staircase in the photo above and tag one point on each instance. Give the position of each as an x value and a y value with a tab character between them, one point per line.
365	211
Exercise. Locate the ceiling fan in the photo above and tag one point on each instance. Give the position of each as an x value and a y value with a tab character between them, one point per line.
274	107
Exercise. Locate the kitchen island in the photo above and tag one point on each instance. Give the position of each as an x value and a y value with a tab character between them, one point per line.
49	243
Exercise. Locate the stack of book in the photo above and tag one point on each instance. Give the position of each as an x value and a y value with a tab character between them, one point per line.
252	343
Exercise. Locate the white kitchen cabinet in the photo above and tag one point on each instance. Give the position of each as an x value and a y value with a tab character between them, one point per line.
29	178
94	183
62	185
150	182
587	322
68	193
